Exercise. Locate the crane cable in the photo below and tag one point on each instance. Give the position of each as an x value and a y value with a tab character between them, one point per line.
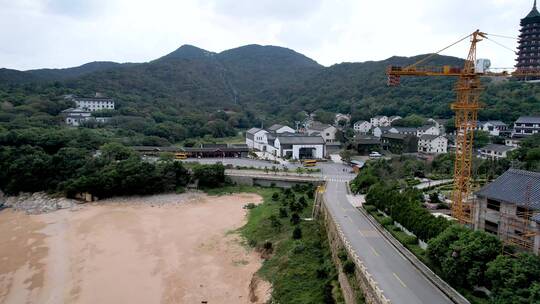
503	36
437	53
501	45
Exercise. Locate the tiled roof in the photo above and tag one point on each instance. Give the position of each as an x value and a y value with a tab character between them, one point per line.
275	127
319	126
497	148
528	119
394	136
405	129
515	187
426	127
253	130
497	123
429	137
300	140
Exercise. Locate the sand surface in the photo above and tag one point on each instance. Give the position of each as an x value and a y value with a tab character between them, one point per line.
158	249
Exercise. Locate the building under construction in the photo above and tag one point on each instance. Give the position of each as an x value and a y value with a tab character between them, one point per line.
509	208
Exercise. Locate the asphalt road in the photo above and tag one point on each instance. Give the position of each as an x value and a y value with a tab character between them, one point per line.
396	276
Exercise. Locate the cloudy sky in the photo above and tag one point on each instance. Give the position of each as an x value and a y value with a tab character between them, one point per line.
65	33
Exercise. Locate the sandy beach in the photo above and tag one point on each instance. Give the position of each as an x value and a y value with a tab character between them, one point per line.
159	249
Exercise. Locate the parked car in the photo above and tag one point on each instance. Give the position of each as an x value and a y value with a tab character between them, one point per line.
375	155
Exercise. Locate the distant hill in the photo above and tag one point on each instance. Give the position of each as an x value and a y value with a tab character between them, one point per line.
204	92
62	74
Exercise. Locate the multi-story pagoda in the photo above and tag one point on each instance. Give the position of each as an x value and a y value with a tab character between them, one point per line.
529	42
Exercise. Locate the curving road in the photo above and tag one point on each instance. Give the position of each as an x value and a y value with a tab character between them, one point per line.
396	276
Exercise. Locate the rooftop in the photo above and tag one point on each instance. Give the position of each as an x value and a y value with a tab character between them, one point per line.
528	119
497	148
515	186
318	126
300	140
275	127
429	137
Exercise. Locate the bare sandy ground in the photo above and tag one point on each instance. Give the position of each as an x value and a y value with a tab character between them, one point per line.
131	250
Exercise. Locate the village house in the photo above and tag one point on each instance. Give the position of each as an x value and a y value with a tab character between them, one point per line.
327	131
379	131
494	151
526	126
343	119
76	117
366	144
380	121
432	144
509	208
391	119
428	130
362	127
399	143
494	127
299	146
257	139
279	129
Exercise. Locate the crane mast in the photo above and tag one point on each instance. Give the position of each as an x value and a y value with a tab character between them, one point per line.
466	107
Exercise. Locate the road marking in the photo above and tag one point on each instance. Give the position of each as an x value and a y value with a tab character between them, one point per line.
375	252
361	233
399	280
350	220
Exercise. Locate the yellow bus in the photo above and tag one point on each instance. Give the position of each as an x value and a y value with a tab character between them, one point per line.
180	155
309	162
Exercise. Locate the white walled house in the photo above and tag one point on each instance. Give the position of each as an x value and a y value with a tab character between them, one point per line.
257	139
432	144
94	104
428	130
300	146
279	129
76	117
362	126
380	131
342	117
494	151
326	131
380	121
526	126
494	127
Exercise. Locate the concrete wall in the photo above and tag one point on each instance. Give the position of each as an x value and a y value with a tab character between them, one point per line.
370	289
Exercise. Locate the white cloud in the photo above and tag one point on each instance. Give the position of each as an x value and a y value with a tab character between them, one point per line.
62	33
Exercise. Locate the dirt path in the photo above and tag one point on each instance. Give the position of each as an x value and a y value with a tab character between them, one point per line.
139	250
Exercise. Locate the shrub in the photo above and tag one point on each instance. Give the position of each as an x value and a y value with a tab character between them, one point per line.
295	219
283	212
297	233
349	267
275	196
387	221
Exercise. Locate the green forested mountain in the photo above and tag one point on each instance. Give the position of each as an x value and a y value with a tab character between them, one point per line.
192	92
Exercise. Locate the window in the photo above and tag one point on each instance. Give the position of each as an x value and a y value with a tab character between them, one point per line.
523	213
491	227
493	204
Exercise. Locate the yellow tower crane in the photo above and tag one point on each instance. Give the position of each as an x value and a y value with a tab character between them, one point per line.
468	89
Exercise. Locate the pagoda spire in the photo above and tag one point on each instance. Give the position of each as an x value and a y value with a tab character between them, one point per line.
534	6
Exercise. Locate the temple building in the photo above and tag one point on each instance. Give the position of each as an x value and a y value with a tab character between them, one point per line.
529	42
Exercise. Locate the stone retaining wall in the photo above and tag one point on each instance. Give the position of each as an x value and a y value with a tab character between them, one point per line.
370	289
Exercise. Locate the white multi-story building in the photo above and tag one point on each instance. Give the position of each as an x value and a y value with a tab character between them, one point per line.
494	127
257	139
94	104
526	126
380	121
428	130
432	144
494	151
327	132
76	117
362	126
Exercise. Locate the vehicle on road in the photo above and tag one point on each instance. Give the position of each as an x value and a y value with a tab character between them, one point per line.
180	155
375	155
309	162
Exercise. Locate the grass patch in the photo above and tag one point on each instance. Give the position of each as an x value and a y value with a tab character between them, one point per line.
300	270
